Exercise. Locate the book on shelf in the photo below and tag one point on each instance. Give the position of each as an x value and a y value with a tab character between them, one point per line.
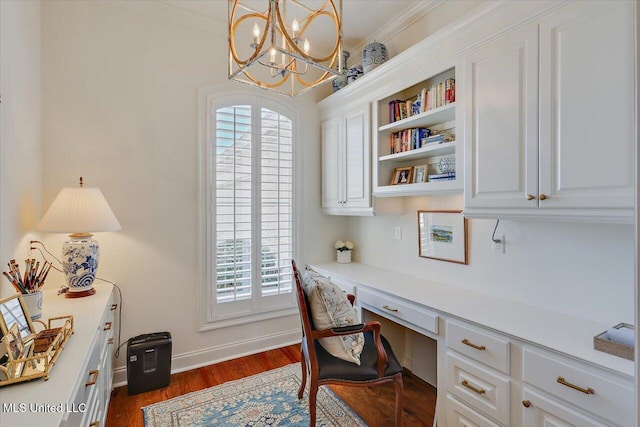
435	139
438	95
448	176
408	139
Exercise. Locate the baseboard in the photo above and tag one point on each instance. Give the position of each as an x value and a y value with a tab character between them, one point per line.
196	359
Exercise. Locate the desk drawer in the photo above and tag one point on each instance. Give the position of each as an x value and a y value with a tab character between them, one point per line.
575	383
479	387
396	309
459	414
484	346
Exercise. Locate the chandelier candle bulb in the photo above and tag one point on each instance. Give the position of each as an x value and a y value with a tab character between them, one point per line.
300	71
256	34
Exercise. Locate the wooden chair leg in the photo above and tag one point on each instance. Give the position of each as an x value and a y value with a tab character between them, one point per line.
313	391
303	366
397	383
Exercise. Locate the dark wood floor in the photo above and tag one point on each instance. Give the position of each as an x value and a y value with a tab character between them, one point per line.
373	404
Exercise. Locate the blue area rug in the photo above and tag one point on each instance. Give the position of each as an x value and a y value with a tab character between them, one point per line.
266	399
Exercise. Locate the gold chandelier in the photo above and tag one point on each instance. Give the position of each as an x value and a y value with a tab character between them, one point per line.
272	49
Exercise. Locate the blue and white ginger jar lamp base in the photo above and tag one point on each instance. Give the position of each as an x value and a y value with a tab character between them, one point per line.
80	255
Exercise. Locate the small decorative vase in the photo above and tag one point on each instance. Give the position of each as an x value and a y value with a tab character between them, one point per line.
341	81
373	55
344	257
354	73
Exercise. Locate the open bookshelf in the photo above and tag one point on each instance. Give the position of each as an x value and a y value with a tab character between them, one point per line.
419	136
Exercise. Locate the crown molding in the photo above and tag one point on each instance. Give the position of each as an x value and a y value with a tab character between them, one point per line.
399	23
171	13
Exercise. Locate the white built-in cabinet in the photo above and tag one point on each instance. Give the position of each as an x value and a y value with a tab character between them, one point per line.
550	117
78	390
543	372
346	162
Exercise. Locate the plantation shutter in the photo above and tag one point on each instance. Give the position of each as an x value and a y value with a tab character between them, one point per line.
253	205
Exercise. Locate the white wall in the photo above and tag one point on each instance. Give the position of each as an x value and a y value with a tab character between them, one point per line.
120	108
582	269
20	166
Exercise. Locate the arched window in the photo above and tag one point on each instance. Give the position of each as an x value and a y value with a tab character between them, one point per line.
249	209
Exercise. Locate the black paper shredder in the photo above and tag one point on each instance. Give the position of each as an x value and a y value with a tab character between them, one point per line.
148	362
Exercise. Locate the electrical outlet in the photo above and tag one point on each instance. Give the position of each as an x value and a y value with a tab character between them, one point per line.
398	233
498	247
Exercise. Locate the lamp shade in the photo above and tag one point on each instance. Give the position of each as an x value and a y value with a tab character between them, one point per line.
81	209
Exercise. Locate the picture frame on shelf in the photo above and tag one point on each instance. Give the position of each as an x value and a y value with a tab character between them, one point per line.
442	235
420	173
15	349
402	175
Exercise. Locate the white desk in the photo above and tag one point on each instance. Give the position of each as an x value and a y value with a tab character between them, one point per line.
528	330
69	374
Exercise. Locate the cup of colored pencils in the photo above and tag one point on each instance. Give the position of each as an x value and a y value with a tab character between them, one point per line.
29	284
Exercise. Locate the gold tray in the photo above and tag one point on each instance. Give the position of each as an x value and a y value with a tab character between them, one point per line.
38	365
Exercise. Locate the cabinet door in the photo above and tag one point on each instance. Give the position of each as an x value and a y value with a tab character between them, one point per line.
540	411
357	181
331	163
587	107
501	122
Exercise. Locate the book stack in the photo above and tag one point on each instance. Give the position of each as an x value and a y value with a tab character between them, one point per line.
435	139
408	139
448	176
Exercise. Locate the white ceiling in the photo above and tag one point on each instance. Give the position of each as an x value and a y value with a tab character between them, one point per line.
362	20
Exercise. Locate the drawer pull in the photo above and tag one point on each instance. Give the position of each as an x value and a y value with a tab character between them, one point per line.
95	424
470	344
526	403
110	341
564	382
107	326
470	387
386	307
114	306
93	378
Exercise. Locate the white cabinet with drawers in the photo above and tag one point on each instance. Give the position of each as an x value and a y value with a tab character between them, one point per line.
477	368
79	384
586	390
500	363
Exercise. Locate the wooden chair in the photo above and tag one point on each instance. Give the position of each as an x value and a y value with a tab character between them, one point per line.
378	364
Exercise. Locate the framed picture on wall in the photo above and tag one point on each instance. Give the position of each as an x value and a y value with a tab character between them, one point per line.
402	175
442	235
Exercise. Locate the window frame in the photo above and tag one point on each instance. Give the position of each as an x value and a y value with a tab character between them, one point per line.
209	100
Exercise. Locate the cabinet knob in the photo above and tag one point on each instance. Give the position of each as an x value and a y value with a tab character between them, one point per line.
542	197
526	403
530	197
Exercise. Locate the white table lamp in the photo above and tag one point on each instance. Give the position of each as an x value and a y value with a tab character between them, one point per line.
79	211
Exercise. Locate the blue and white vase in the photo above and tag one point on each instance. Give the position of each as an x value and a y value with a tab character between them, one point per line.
373	55
80	255
354	73
341	81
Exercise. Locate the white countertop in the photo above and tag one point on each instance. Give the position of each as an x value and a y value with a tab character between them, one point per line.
63	376
556	331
